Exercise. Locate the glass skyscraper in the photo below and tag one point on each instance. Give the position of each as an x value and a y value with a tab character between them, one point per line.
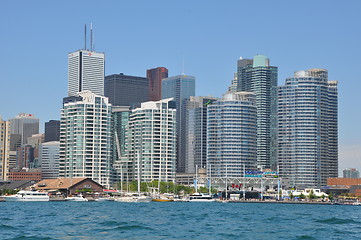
155	76
256	75
307	129
86	137
25	125
180	88
232	135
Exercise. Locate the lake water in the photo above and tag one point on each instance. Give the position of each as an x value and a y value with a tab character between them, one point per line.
177	220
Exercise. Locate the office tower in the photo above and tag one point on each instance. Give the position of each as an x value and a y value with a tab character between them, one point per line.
180	88
121	166
155	76
85	72
307	129
196	132
49	159
52	131
232	135
24	157
35	140
351	173
85	137
4	148
24	124
256	75
152	141
15	141
125	90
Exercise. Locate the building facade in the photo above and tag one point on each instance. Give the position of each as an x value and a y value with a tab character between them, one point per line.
232	135
52	131
49	159
180	88
86	137
4	148
307	129
125	90
85	72
256	75
25	125
152	141
196	132
155	76
351	173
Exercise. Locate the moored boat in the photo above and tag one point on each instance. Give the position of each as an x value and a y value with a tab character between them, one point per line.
79	198
25	196
200	197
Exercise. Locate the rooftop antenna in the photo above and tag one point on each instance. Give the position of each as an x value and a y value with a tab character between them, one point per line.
91	37
84	36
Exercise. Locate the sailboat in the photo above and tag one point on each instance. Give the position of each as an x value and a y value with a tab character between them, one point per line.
135	197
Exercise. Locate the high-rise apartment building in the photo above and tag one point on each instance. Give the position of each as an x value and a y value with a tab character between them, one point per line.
196	132
85	72
351	173
52	131
232	135
49	159
125	90
4	148
86	137
256	75
25	125
155	76
180	88
307	129
152	141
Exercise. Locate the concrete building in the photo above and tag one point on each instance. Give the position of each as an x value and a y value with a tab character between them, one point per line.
307	129
152	141
232	135
85	72
52	131
258	76
125	90
25	125
180	88
86	137
351	173
49	159
4	148
155	76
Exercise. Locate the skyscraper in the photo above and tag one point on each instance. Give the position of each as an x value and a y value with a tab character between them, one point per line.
256	75
52	131
307	129
4	148
152	141
232	135
196	132
125	90
155	76
24	124
180	88
351	173
85	72
49	159
86	137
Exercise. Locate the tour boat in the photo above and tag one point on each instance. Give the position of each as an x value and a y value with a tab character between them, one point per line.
24	196
200	197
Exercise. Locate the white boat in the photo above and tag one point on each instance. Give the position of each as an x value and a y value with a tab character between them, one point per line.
24	196
79	198
104	199
200	197
133	197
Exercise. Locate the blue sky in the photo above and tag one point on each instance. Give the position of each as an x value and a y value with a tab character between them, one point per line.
209	35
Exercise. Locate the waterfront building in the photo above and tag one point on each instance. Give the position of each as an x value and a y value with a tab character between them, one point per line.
232	135
121	165
256	75
152	141
85	72
4	148
180	88
307	129
25	125
52	131
125	90
86	137
196	132
155	76
49	159
351	173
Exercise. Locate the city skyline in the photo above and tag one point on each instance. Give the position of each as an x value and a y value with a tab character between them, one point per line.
210	47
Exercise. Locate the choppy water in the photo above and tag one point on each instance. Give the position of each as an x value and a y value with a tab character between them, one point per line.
177	220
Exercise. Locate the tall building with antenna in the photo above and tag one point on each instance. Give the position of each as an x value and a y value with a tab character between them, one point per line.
86	70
